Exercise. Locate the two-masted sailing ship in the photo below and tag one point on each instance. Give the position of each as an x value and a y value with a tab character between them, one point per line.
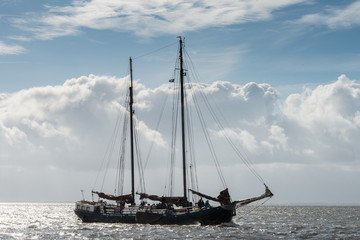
166	209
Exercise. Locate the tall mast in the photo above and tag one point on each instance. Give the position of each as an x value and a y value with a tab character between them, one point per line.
182	117
132	136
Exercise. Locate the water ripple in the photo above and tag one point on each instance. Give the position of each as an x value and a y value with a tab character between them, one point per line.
57	221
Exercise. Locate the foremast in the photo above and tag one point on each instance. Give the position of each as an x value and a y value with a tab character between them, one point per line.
128	198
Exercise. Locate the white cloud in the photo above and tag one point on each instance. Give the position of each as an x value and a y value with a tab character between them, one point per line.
246	103
248	140
324	121
335	18
65	129
151	135
333	108
61	121
6	49
277	139
13	135
144	18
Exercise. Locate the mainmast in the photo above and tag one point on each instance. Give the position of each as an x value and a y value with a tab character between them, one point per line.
132	136
182	116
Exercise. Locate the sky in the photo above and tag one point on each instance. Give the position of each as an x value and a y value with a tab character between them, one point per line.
285	74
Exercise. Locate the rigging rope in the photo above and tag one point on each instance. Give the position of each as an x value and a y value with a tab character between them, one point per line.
205	131
157	50
192	162
175	113
243	157
139	159
106	159
153	139
108	153
156	129
252	209
121	162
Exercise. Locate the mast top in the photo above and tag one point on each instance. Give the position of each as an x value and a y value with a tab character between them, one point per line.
181	39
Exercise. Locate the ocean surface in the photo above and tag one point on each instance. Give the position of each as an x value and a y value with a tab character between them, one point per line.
58	221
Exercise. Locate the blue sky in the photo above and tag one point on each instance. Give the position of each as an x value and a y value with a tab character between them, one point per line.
286	73
270	45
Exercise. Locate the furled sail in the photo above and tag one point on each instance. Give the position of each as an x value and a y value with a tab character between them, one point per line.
178	201
125	198
223	198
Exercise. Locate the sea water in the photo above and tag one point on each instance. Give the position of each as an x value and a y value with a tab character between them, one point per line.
58	221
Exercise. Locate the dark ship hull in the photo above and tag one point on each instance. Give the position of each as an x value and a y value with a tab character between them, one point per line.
106	218
206	216
185	216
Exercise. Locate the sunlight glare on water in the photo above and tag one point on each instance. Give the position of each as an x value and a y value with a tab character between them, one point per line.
58	221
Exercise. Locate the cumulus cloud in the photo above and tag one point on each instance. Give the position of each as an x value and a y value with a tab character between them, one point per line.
69	116
277	139
328	119
6	49
144	18
335	18
319	125
54	119
61	121
65	129
334	108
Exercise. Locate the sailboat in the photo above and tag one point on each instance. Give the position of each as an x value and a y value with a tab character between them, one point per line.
169	209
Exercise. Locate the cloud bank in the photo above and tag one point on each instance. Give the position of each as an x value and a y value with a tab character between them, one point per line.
64	129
